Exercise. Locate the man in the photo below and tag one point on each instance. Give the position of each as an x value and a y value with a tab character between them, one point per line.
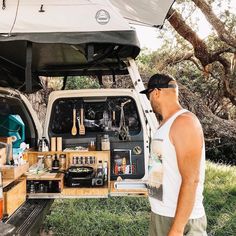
176	164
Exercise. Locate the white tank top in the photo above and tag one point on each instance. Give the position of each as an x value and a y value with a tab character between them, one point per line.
164	179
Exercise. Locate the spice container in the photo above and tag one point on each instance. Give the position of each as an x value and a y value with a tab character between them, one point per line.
74	162
105	143
62	160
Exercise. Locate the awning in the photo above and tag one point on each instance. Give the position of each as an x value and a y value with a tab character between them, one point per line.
144	12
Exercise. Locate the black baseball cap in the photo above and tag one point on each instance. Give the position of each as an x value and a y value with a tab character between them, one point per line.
159	81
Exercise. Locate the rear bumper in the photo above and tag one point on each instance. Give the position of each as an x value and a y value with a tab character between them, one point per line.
27	219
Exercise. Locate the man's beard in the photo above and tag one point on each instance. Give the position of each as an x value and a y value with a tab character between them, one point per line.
159	117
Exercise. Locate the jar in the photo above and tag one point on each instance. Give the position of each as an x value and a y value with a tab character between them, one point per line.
41	161
62	160
105	143
48	162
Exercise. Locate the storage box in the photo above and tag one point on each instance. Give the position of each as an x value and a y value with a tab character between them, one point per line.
3	152
13	172
121	163
14	196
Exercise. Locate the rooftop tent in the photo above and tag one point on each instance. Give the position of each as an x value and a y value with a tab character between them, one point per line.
73	37
144	12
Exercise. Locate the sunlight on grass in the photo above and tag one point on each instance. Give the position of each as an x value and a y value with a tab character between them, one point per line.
130	215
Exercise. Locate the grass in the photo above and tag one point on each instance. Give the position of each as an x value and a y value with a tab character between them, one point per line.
112	216
130	215
220	199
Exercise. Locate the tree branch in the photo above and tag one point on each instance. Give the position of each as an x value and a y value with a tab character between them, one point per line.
218	25
201	51
200	48
174	60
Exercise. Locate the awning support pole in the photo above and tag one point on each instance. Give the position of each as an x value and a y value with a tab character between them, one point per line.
139	86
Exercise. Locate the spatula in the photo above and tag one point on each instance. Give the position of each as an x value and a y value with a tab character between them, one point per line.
82	128
74	129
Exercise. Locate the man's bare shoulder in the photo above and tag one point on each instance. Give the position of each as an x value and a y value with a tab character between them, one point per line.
186	126
186	120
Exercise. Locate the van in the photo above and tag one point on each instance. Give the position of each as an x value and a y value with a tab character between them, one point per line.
95	142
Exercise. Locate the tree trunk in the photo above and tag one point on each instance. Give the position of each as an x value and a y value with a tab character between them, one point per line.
220	134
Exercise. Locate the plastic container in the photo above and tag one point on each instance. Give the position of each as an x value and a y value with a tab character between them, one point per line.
105	143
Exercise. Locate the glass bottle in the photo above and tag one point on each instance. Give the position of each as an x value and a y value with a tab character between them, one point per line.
113	119
105	118
105	170
99	169
55	163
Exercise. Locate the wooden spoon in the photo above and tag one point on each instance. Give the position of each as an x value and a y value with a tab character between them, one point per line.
74	129
82	128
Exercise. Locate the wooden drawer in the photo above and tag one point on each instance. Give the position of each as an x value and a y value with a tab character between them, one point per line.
14	196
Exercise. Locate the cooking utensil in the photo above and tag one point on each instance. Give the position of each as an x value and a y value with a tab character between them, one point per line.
82	128
78	119
74	129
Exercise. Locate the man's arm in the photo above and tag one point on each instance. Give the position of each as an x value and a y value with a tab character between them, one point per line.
187	137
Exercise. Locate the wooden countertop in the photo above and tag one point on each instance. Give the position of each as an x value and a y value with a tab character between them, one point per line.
45	176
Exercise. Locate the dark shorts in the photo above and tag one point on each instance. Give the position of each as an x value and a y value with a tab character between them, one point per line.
160	226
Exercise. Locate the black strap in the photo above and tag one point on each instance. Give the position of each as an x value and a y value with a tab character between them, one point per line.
28	69
3	4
